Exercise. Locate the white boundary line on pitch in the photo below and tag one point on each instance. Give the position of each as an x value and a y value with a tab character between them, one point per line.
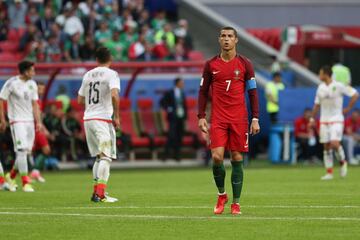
188	207
168	217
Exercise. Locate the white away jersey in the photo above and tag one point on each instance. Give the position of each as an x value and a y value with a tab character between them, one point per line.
96	88
330	98
19	95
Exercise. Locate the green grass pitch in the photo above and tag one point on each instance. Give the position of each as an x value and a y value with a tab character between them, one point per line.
277	203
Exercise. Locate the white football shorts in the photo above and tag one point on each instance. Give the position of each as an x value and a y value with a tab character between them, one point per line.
100	138
23	135
331	132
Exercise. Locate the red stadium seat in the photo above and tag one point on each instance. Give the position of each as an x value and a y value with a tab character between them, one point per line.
13	35
128	125
8	57
192	120
195	55
9	46
57	103
147	120
75	105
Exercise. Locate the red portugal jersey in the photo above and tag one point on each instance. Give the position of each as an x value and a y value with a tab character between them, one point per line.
228	86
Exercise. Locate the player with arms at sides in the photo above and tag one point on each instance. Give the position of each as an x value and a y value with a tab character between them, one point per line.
329	100
22	95
99	92
230	75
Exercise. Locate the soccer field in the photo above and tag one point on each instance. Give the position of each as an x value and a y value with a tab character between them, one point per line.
277	203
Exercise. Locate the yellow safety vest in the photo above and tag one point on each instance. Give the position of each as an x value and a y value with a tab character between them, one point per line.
273	90
341	74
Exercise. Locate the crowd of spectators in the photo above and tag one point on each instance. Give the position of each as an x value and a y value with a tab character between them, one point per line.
59	30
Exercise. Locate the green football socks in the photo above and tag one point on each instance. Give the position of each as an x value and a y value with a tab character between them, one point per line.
237	176
219	176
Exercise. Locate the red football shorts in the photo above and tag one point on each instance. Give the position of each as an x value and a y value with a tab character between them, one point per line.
40	141
232	136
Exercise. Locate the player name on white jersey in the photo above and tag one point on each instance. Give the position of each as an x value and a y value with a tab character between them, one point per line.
96	88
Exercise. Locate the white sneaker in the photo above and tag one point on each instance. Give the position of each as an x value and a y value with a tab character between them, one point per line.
109	199
7	187
327	176
4	186
28	188
343	170
35	174
11	183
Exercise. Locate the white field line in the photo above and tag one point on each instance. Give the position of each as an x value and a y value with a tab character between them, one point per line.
187	207
168	217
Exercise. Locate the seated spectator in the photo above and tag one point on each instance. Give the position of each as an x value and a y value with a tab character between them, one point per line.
126	15
73	24
148	54
52	122
53	50
167	36
116	47
180	52
129	36
148	32
72	48
181	31
16	13
87	50
112	19
306	137
103	34
40	53
30	36
159	21
44	23
60	36
99	6
352	135
32	15
72	130
137	49
144	18
66	13
91	22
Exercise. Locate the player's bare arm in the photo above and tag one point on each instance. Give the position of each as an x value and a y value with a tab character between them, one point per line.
115	102
352	102
2	116
81	100
314	113
37	116
203	125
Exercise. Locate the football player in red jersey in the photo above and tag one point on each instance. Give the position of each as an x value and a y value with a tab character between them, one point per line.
230	75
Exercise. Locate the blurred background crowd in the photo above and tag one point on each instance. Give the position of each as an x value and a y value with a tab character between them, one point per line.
70	31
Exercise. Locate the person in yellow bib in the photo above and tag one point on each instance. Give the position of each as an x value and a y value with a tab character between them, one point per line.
341	73
272	96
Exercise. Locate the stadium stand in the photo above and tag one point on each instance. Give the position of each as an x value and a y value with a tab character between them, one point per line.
71	31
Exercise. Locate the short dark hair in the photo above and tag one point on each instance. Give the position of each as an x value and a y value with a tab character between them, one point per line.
276	74
229	28
177	80
327	70
25	65
40	83
103	55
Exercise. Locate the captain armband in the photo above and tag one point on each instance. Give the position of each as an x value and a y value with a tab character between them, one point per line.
250	84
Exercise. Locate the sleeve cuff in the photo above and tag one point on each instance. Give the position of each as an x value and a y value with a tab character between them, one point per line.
201	115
